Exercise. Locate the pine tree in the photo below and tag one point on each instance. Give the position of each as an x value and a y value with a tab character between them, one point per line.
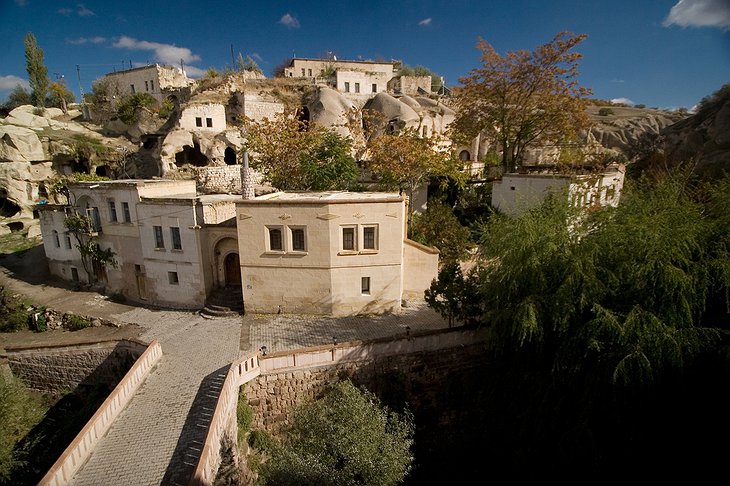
37	71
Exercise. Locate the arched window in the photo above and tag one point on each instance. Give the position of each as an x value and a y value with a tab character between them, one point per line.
464	155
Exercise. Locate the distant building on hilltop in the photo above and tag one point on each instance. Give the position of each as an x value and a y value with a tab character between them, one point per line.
518	192
154	80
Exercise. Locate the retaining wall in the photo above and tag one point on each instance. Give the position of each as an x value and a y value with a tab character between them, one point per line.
83	444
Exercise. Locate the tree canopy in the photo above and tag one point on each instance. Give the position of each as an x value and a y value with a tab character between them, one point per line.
523	97
37	71
296	155
345	438
404	160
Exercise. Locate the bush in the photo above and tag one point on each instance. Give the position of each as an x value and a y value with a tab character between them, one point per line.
244	414
75	323
347	437
261	441
605	111
20	411
16	320
40	323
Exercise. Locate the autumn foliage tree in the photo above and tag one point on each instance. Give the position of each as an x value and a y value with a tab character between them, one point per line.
295	155
523	97
404	160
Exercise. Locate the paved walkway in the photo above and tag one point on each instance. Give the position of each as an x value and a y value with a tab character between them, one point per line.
157	438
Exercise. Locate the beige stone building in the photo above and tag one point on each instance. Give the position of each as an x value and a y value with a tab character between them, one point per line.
155	80
516	193
334	253
325	253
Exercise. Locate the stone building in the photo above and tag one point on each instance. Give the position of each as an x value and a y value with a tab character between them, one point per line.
347	252
516	193
334	253
155	80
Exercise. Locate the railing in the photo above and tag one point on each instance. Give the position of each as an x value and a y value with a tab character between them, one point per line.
254	365
83	444
241	371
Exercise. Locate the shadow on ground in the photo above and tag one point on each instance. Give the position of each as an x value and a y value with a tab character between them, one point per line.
190	444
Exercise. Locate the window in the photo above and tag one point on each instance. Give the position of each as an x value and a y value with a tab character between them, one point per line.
347	87
175	235
152	85
365	285
310	73
375	88
209	122
159	240
68	241
298	242
131	87
357	87
112	212
198	121
56	240
369	238
173	278
424	131
74	274
125	212
146	86
348	238
303	72
93	214
275	240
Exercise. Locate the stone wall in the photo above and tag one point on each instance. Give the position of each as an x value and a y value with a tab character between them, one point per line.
60	368
415	377
221	180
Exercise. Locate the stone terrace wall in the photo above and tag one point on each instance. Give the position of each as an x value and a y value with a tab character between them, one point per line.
221	180
417	377
66	367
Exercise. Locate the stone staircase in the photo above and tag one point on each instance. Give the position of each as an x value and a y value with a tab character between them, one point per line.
224	302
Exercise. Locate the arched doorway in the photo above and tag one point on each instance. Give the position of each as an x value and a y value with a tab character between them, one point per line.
229	156
232	269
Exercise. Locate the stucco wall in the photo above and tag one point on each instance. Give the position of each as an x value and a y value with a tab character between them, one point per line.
258	106
158	78
409	85
212	113
420	268
364	79
325	278
188	291
319	65
516	193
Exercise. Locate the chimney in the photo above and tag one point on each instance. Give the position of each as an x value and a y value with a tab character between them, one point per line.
246	184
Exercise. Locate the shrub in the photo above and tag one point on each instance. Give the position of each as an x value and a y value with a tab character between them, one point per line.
244	415
75	323
261	441
16	320
605	111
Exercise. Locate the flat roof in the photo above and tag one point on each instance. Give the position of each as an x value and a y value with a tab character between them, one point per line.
392	63
327	197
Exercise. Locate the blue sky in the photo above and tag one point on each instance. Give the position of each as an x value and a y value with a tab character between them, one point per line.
661	53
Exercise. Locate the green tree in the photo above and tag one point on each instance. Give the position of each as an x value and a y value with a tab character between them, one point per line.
404	161
295	155
439	227
454	295
523	97
131	106
18	96
20	411
345	438
37	71
328	165
93	258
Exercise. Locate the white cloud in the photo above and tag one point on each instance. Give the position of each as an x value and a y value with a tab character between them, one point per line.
194	72
167	53
86	40
10	82
700	13
616	80
82	11
425	22
289	20
623	101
